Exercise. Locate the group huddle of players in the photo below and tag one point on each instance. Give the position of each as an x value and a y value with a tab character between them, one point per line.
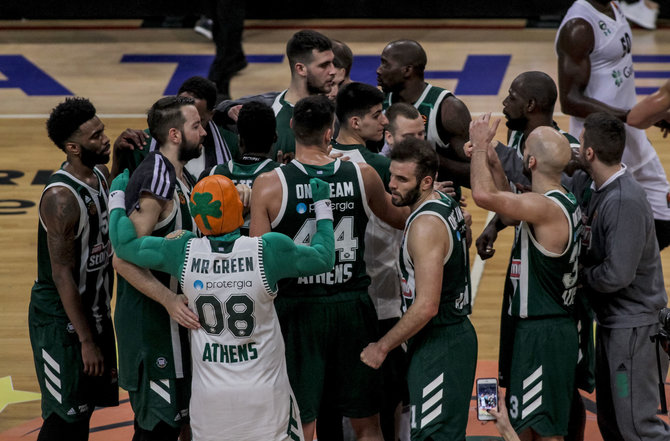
296	240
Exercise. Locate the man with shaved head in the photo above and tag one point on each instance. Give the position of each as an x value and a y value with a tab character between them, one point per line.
543	275
446	118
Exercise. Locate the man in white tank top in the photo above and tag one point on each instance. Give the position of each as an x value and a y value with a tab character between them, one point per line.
595	74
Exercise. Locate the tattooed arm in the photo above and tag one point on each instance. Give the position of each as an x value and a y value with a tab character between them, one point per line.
60	213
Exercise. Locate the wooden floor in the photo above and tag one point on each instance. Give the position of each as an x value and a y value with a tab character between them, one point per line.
90	62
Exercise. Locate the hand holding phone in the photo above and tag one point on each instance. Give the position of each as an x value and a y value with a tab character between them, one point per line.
487	398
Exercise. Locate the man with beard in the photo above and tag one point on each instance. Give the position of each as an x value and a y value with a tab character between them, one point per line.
310	57
446	118
326	319
154	364
543	276
595	74
219	145
435	279
623	278
404	122
69	317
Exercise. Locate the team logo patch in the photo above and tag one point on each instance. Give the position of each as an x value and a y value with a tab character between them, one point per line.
182	199
161	362
92	209
70	328
175	234
301	208
198	284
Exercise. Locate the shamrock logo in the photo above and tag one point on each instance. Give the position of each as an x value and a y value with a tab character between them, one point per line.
202	205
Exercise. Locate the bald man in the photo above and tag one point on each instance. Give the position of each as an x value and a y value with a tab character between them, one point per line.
446	118
543	274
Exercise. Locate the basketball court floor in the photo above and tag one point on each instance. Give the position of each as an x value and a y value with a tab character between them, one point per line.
123	69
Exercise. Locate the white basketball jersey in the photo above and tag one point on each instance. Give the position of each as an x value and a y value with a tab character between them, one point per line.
612	79
612	82
240	388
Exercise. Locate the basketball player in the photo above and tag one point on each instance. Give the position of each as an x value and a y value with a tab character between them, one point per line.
310	58
219	146
528	105
256	126
154	366
326	319
69	317
359	110
240	388
595	74
343	61
435	271
543	275
446	118
404	122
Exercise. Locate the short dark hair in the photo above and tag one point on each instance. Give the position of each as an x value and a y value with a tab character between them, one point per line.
400	109
299	47
312	116
257	127
166	114
356	99
67	117
420	152
606	135
201	88
344	58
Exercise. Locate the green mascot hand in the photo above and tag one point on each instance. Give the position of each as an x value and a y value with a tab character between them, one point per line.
120	182
320	189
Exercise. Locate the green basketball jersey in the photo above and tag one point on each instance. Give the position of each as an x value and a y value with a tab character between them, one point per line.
146	334
350	217
92	271
545	283
455	301
428	106
283	113
245	173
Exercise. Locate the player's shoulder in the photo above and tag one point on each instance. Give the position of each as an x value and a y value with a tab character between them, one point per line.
155	175
453	107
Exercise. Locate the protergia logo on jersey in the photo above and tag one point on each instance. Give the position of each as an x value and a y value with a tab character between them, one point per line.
198	284
228	284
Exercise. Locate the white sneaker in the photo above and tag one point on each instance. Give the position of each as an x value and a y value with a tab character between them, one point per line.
204	27
640	14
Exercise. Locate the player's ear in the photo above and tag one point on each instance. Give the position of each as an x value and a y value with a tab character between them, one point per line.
300	69
532	104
